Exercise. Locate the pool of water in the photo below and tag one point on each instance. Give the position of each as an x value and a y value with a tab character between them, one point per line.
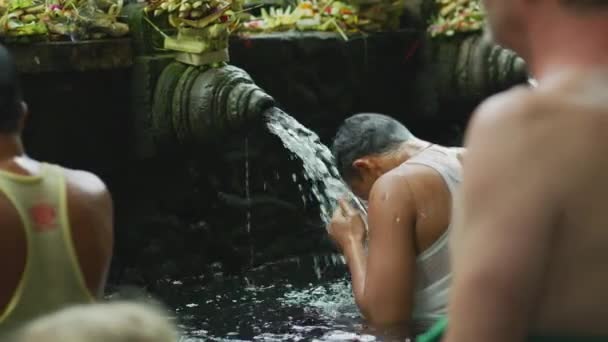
304	299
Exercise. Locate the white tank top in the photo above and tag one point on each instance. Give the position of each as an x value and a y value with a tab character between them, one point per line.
433	272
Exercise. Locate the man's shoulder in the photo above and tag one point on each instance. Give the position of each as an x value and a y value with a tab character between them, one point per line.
87	190
515	133
420	169
510	107
392	182
391	193
401	183
512	115
84	181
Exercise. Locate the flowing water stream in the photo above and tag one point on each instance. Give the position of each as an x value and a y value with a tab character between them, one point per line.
318	166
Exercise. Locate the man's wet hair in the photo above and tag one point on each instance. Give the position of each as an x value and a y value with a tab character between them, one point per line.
11	108
364	135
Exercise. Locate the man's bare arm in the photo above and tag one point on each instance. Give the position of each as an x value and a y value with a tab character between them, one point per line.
106	236
95	212
383	282
503	231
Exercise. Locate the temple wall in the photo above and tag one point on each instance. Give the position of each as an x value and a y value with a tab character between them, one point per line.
181	209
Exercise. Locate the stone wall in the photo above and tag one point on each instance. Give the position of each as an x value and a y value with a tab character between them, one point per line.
321	79
183	209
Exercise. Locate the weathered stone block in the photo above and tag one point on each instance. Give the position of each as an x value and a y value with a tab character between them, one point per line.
107	54
470	68
320	79
145	74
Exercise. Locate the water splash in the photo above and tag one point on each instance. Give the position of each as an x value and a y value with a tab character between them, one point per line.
260	307
319	169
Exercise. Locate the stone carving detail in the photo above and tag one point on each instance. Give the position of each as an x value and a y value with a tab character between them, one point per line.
473	68
195	104
489	67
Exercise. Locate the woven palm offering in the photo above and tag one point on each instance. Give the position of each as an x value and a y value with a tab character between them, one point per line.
457	16
379	15
203	28
343	17
35	20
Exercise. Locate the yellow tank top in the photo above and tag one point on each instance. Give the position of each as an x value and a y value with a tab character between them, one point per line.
52	278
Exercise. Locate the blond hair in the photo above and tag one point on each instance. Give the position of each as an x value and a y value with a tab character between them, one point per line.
109	322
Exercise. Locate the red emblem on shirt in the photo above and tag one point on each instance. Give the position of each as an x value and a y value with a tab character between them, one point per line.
44	217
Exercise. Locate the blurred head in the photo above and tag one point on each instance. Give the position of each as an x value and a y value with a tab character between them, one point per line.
115	322
585	4
366	147
12	108
505	22
508	20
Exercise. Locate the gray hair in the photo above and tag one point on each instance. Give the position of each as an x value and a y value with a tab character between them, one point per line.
365	135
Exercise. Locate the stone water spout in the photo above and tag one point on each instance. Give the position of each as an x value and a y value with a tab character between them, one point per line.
178	105
472	67
193	105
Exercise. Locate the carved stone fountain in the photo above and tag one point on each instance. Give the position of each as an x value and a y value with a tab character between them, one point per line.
176	159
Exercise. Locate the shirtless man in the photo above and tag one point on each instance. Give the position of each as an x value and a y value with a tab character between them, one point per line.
409	184
530	244
56	223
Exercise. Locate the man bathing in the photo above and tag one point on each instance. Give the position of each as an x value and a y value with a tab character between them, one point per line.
56	223
409	184
529	246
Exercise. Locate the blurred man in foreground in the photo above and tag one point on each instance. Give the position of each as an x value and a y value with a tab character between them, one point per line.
410	185
530	242
56	223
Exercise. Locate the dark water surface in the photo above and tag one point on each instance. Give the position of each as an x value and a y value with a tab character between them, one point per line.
304	299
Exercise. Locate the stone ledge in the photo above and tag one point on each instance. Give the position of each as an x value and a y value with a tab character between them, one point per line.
318	35
288	35
73	56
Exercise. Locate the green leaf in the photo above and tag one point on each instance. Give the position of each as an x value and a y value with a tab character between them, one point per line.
18	4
